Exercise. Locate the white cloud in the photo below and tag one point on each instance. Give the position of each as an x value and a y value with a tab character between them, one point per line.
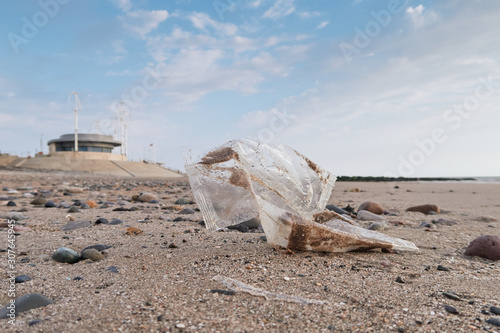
308	15
280	9
323	24
124	5
421	17
202	21
142	22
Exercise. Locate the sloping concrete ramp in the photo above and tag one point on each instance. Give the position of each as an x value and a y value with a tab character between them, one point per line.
101	167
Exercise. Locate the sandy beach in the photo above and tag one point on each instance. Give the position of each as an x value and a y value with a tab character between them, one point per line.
163	278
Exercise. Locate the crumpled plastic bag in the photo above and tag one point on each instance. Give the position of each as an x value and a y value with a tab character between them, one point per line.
245	180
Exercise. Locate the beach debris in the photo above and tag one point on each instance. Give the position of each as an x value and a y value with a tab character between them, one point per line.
486	246
371	207
24	303
246	180
239	286
424	209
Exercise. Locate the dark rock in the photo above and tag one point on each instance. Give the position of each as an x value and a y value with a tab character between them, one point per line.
172	246
121	209
98	247
84	205
399	279
495	310
63	205
22	278
450	309
112	269
425	224
178	219
77	278
25	303
223	292
424	209
186	211
443	268
372	207
101	220
74	209
34	322
50	204
92	254
154	201
240	227
73	225
38	202
486	246
65	255
494	321
116	221
336	209
11	204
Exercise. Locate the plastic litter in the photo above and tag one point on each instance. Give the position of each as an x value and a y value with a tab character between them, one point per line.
236	285
245	181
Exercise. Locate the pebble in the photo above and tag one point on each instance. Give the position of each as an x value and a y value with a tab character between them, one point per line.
65	255
451	295
377	226
450	309
146	197
84	205
63	205
73	225
486	246
11	204
91	204
399	279
443	268
38	202
424	209
27	302
133	231
22	278
186	211
495	321
116	221
50	204
101	220
223	292
74	209
121	209
495	310
92	254
365	215
371	207
183	201
34	322
112	269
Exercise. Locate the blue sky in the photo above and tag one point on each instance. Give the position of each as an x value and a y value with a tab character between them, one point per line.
395	88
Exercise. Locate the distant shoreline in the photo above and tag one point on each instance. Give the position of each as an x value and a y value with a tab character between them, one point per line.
403	179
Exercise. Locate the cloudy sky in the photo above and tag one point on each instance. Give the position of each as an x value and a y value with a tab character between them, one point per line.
361	87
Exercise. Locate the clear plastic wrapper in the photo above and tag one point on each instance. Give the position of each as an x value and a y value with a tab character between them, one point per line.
245	180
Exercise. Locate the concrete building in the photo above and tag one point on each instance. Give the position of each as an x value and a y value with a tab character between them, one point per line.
90	147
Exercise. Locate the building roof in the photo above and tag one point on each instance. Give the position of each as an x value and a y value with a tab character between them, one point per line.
83	137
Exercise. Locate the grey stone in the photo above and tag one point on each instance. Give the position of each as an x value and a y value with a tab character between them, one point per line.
186	211
25	303
183	201
98	247
22	278
84	206
38	202
377	226
50	204
116	221
102	220
74	209
65	255
364	215
76	225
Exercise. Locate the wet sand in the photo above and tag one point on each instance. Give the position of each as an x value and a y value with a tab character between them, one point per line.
165	275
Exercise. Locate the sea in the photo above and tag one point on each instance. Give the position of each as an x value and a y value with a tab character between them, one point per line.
486	180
